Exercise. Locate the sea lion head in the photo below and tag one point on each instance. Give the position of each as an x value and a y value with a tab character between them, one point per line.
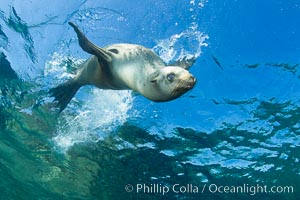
171	82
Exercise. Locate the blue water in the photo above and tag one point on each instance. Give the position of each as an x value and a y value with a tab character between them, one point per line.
239	126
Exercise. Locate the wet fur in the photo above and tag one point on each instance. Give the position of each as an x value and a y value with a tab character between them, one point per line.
125	66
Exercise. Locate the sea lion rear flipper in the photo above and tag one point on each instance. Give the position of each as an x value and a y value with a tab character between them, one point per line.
64	92
89	47
184	62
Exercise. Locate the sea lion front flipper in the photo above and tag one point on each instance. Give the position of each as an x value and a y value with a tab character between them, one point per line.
89	47
184	62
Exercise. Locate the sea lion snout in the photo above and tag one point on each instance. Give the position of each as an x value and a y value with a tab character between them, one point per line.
191	82
185	83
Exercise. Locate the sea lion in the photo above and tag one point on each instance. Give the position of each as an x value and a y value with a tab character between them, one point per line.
125	67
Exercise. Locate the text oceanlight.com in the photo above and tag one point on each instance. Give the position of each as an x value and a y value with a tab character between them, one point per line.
208	188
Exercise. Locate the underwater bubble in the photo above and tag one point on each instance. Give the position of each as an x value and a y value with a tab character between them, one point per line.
92	114
186	44
99	116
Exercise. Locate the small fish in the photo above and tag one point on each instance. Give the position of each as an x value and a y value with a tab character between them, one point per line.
217	62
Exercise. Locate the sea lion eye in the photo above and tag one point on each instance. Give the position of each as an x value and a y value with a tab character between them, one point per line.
171	77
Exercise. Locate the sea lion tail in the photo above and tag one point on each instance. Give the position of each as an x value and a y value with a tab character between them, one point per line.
64	92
